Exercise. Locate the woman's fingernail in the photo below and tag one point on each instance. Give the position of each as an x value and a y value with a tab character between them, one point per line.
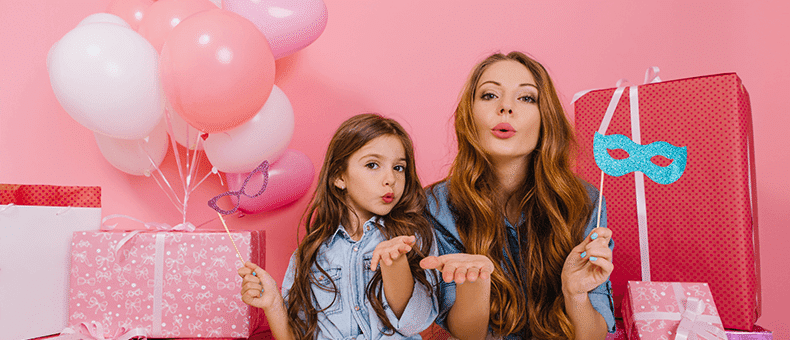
584	254
593	258
254	274
594	236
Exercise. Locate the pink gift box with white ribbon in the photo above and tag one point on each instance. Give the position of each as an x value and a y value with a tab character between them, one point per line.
671	310
171	284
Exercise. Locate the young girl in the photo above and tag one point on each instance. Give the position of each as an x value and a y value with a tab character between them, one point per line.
356	273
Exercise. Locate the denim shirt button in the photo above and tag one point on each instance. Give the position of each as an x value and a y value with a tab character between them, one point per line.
355	248
356	307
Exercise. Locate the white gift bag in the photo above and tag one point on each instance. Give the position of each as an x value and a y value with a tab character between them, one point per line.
36	225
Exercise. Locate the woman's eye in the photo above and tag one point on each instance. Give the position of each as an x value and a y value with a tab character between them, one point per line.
372	165
487	96
529	99
400	168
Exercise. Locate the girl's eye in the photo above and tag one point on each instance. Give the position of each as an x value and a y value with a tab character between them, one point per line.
528	99
400	168
372	165
487	96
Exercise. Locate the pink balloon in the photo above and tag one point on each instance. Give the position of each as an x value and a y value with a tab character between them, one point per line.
289	179
288	25
164	15
131	11
217	70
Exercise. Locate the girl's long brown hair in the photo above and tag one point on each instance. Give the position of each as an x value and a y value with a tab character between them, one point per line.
554	203
328	209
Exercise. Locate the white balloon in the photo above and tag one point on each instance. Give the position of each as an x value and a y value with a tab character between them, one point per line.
106	18
183	133
106	77
132	155
264	137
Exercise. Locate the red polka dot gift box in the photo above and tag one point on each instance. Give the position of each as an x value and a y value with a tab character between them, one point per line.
679	183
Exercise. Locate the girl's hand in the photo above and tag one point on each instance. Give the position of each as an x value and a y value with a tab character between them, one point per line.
389	251
258	288
460	267
589	264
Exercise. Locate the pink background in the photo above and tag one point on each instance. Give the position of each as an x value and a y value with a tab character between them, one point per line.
408	59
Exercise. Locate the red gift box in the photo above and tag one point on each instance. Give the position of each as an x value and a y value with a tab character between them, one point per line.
702	227
670	310
169	284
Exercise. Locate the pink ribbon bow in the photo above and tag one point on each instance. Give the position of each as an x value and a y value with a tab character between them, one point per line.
95	331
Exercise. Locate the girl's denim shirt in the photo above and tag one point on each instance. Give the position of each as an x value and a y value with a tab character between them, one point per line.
349	315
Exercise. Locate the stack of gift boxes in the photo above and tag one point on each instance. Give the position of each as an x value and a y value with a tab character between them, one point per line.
686	256
121	284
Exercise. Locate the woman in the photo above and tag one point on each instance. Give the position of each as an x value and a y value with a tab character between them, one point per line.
522	253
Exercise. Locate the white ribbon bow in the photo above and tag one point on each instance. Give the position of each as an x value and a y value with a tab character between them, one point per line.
694	326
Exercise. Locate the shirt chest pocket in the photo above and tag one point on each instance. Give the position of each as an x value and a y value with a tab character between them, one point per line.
327	300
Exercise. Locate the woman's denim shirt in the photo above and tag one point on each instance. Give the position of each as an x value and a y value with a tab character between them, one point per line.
351	316
449	241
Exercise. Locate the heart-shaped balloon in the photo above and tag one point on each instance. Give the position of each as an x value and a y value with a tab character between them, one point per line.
288	25
289	179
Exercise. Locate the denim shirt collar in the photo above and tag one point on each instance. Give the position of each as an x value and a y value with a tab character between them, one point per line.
374	222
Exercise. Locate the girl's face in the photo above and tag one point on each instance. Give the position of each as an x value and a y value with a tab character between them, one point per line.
505	111
375	177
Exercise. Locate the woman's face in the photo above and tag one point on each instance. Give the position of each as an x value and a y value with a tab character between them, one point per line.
505	111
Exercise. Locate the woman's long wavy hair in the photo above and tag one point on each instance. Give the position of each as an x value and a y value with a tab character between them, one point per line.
554	203
329	208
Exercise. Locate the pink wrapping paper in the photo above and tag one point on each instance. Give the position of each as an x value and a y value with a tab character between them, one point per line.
654	310
712	207
172	284
757	333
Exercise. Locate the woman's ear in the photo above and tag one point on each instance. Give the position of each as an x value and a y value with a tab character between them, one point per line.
340	183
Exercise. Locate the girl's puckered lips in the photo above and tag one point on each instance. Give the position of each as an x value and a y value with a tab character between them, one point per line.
387	198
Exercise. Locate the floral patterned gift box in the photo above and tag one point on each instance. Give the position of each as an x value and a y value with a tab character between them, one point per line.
671	310
172	284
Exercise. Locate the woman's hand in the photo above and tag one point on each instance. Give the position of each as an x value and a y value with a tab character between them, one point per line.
460	267
258	288
389	251
589	264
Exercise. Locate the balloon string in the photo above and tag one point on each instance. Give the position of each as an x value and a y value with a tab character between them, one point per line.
176	204
201	181
171	194
175	148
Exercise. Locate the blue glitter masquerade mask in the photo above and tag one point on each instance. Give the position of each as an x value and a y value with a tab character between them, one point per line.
639	158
